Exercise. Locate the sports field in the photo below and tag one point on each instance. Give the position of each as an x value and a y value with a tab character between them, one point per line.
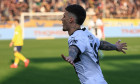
47	67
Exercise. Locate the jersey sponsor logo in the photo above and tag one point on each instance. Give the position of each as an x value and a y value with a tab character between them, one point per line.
16	32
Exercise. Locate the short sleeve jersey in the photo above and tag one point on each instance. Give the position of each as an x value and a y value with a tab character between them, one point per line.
18	38
87	62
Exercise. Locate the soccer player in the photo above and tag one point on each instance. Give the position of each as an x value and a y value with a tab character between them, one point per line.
83	46
17	41
96	27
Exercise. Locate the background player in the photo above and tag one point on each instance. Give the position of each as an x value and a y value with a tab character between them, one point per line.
17	41
96	26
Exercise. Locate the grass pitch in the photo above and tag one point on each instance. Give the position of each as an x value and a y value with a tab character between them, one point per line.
47	67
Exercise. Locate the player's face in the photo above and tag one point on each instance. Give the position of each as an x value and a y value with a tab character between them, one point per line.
15	22
65	21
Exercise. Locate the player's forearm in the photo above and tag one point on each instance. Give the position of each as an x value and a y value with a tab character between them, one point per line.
73	51
11	44
104	45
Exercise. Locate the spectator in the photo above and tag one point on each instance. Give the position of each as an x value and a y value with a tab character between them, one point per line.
11	9
59	6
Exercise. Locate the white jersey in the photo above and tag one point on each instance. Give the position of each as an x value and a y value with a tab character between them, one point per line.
87	62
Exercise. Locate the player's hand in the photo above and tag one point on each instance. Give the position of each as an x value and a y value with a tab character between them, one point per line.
11	44
121	46
68	59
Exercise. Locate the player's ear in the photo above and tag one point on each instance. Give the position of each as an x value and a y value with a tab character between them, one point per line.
71	19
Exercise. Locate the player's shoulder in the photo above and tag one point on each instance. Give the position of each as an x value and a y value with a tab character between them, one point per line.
77	33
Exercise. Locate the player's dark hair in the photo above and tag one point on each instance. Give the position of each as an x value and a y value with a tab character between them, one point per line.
78	11
17	20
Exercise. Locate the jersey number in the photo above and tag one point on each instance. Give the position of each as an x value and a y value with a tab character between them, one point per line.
96	53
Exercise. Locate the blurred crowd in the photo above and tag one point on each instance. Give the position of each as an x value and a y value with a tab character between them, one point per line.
11	9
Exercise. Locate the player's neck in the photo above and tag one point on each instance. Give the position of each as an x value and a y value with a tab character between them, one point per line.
73	29
16	24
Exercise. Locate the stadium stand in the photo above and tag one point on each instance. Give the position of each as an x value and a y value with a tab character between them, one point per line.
124	9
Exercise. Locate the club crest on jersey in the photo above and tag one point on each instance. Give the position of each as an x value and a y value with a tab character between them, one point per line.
72	41
90	37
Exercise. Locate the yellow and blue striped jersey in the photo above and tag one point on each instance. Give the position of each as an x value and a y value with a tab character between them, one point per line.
18	38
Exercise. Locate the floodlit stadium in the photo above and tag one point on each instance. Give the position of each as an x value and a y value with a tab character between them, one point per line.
44	40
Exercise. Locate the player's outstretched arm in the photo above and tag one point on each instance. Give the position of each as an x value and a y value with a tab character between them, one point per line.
104	45
73	51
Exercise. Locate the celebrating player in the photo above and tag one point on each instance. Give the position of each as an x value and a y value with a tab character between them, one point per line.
17	41
84	46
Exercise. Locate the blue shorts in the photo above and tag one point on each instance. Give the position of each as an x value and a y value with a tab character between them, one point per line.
17	48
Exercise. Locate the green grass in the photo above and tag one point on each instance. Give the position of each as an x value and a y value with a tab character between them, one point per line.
47	67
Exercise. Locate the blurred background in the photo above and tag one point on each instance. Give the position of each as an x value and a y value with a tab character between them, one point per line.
44	40
42	18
